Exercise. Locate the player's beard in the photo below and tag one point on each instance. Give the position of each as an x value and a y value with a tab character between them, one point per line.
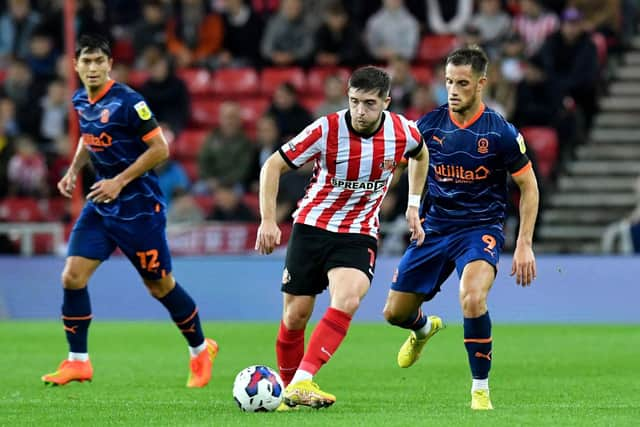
463	108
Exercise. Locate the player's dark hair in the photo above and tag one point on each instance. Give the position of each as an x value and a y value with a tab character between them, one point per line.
89	43
470	55
371	78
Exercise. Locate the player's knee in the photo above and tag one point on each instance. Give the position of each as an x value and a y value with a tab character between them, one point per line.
295	319
348	304
473	303
393	316
73	279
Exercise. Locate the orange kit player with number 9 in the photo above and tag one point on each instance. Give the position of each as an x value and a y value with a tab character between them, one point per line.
125	209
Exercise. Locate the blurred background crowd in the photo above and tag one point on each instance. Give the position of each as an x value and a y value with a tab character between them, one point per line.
231	80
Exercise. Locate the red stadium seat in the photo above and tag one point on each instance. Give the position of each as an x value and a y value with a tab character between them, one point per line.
198	81
544	143
317	75
137	78
235	82
434	48
311	103
123	51
252	109
3	74
252	201
189	142
423	74
55	209
273	77
20	209
191	168
206	203
204	113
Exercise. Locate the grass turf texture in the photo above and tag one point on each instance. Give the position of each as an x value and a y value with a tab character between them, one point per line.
542	375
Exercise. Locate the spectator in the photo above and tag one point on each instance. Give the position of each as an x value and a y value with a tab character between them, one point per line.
600	16
8	121
6	153
59	163
422	101
42	56
19	86
150	30
287	41
570	62
500	94
242	30
290	115
268	141
54	109
493	24
16	26
173	179
184	210
27	171
335	97
167	94
338	41
229	205
227	153
402	84
534	24
513	58
447	16
391	32
194	36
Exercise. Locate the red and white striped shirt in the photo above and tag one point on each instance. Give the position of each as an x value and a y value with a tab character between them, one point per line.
351	172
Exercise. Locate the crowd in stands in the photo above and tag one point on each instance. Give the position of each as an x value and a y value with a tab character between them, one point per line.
231	80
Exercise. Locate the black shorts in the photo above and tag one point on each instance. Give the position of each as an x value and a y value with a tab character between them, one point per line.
312	252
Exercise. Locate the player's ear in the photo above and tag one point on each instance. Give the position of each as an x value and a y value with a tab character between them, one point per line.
482	81
386	102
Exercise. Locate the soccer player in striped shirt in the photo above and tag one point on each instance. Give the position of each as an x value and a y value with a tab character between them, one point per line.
472	148
125	209
334	239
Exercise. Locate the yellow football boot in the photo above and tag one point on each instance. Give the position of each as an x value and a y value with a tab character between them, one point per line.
480	400
307	393
412	347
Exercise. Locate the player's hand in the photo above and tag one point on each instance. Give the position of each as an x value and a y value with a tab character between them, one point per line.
268	237
105	191
524	265
67	184
415	226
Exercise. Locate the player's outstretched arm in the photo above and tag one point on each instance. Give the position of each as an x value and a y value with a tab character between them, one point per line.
418	168
268	233
524	262
67	184
106	190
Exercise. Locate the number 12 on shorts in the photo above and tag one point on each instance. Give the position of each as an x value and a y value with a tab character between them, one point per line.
148	260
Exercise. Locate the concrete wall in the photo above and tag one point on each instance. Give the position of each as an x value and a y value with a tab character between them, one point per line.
568	289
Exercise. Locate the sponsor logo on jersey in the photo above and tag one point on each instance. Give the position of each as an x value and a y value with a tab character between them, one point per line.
458	174
483	146
97	143
143	110
359	185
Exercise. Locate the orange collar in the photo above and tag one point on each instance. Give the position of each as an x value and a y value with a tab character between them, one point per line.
471	121
102	92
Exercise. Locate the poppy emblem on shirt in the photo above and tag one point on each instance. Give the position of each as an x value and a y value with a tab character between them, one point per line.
104	116
483	146
388	164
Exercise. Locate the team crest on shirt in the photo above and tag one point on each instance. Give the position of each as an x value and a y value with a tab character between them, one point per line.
104	116
483	146
143	110
388	164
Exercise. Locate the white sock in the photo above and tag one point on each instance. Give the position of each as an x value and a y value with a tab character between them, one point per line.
194	351
82	357
301	375
480	384
424	331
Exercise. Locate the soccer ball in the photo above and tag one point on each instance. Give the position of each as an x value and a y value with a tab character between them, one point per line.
258	389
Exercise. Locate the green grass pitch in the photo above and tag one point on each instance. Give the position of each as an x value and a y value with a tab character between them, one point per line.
542	375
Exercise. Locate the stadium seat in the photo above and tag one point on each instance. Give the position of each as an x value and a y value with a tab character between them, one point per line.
544	143
434	48
252	109
123	51
204	113
311	103
252	201
55	209
273	77
198	81
235	82
137	78
423	74
206	203
3	74
191	168
317	75
20	209
189	142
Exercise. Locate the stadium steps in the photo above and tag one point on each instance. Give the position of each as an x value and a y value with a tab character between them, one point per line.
597	187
